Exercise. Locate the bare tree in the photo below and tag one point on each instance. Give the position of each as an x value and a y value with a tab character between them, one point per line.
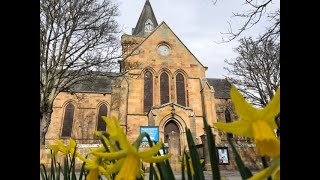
257	11
77	39
256	70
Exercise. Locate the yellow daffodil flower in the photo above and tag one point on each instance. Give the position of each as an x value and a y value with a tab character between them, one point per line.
96	167
62	148
256	123
54	148
129	159
273	170
108	143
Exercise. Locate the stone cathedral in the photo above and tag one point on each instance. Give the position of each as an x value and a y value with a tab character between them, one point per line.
168	90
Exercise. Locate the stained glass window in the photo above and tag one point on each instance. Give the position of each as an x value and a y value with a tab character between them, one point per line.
148	91
228	120
68	120
103	111
164	88
180	90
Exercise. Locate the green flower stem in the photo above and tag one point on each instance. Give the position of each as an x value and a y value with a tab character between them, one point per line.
265	164
244	171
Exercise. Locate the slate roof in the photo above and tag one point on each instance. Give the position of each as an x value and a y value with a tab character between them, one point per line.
101	84
147	13
221	86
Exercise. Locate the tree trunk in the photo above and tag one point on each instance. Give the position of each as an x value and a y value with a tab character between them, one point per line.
44	125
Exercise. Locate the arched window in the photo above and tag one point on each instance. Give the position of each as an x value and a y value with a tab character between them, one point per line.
148	91
103	111
180	90
164	88
228	120
68	120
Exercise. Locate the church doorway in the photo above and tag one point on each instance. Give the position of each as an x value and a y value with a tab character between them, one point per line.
172	128
169	127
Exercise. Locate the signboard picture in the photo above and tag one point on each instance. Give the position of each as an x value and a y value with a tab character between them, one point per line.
153	132
223	155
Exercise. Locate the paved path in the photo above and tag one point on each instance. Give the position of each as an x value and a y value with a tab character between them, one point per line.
229	175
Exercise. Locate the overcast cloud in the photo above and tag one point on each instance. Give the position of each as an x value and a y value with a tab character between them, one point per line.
198	24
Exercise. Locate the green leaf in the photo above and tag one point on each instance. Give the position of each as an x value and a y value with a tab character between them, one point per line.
66	168
52	175
164	168
182	166
188	166
82	169
151	172
59	169
198	172
244	171
156	177
42	175
138	141
72	166
167	163
212	150
105	145
44	172
265	164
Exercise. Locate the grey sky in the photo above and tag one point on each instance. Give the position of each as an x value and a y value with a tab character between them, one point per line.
198	24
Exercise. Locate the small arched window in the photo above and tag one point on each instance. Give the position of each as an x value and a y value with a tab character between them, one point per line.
180	90
164	88
228	120
68	120
103	111
148	91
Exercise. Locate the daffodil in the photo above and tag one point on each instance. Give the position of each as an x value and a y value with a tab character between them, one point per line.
60	147
256	123
108	143
273	170
128	158
96	167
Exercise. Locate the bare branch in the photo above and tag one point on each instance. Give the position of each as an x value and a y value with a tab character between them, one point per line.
214	2
256	70
77	38
253	17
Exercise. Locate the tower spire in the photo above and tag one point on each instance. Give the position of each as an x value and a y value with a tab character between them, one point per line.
147	21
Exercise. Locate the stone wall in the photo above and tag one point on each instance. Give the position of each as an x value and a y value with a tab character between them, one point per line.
244	145
85	116
83	149
248	154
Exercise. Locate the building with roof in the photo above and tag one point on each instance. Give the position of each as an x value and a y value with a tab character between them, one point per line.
168	90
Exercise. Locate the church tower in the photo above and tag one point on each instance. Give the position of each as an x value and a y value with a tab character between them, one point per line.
147	21
146	24
164	87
